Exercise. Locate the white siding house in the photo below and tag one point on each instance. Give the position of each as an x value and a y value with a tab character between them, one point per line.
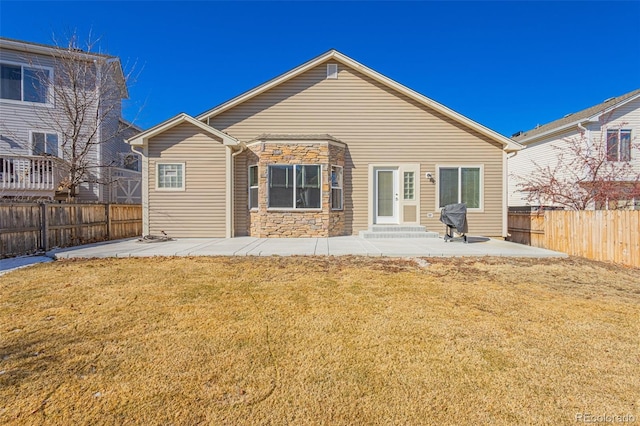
34	129
611	127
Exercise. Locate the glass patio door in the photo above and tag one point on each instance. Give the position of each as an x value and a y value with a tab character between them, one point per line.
387	197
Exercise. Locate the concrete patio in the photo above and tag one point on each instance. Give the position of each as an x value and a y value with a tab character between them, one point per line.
334	246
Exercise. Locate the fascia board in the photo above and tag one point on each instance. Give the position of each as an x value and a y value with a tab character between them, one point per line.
143	138
509	145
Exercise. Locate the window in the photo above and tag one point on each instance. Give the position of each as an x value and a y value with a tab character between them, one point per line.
409	185
25	83
44	144
332	71
618	145
253	187
170	176
336	188
460	185
131	161
294	186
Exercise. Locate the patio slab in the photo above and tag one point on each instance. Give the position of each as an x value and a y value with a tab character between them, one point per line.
335	246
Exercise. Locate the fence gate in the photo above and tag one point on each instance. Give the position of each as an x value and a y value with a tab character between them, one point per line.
126	187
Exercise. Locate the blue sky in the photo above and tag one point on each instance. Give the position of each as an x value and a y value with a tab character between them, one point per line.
506	65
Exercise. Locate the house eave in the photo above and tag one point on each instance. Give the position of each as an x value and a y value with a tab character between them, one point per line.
594	118
55	51
143	138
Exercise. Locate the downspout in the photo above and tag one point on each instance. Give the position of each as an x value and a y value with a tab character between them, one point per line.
587	134
99	130
505	201
144	188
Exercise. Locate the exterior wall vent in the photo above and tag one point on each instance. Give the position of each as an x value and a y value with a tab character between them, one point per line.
332	71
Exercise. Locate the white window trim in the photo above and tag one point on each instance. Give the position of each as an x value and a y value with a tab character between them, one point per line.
460	166
249	187
22	65
184	176
413	172
341	188
295	209
46	132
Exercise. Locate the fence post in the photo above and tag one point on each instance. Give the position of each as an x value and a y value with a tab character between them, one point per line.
44	227
107	210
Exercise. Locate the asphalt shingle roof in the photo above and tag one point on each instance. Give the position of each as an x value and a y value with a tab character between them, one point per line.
577	116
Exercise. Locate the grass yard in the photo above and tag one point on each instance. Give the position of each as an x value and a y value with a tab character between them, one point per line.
335	341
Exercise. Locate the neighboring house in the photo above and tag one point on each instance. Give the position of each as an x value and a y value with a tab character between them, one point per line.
36	132
609	129
328	148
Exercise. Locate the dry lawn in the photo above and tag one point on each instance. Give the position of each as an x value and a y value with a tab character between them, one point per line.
332	341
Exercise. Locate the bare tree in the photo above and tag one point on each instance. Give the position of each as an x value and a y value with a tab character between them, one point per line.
85	89
586	174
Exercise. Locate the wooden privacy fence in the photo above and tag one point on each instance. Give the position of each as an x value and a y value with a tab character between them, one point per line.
607	235
26	228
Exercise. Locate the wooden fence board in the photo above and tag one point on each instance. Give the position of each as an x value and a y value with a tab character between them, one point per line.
26	228
606	235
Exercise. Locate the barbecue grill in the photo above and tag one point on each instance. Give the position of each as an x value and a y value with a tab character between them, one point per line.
455	217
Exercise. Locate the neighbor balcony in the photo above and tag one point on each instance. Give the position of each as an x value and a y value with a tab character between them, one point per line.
28	176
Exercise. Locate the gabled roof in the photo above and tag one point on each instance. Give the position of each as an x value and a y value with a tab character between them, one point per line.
141	139
571	120
61	52
509	145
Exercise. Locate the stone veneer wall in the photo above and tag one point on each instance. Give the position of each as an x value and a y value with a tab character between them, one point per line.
278	222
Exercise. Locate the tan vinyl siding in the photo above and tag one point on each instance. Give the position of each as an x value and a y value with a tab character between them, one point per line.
199	210
379	125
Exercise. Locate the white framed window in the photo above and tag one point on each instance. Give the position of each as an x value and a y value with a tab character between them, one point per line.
130	161
26	83
409	186
619	145
170	176
294	186
332	71
253	187
337	197
460	184
44	143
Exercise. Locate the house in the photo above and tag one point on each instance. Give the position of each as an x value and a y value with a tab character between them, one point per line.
328	148
60	108
605	134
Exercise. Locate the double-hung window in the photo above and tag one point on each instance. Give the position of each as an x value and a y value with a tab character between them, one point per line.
294	186
460	185
619	145
336	188
43	143
25	83
253	187
170	176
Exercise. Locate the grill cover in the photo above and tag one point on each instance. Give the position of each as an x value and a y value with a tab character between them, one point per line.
455	216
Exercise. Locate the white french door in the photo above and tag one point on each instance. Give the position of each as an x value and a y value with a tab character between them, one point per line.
387	196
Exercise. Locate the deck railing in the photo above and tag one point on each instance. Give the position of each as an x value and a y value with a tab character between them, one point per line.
27	173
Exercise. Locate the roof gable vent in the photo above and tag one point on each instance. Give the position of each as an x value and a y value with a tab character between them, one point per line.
332	71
